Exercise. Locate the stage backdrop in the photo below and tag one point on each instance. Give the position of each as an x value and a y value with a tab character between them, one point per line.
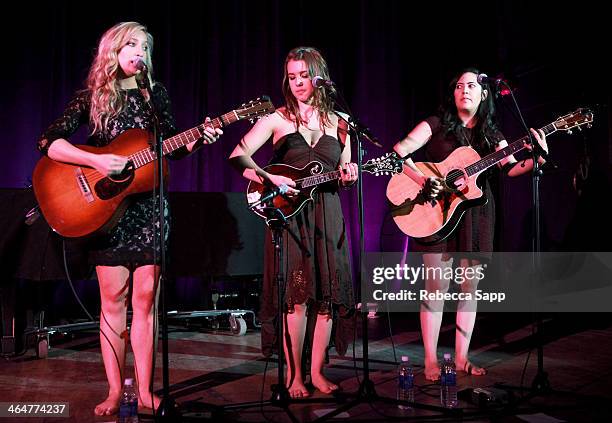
391	61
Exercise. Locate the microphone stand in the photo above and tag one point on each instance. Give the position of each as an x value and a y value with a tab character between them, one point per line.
367	391
277	222
540	383
167	410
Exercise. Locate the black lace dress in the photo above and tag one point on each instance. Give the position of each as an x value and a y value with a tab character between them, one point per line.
322	280
473	237
131	242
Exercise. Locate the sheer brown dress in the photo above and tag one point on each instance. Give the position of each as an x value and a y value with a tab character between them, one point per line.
323	281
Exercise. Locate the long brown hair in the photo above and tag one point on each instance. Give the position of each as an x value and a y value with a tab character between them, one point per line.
107	100
322	102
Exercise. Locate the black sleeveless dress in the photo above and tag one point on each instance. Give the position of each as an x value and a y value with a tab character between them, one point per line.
473	237
323	279
131	242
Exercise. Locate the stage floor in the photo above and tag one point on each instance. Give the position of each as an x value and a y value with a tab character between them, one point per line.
218	368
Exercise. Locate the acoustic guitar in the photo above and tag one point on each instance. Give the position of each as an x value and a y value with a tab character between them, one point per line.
432	220
78	201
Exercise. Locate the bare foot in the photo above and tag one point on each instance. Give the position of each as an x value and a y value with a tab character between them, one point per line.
109	406
322	383
469	368
432	371
144	400
298	390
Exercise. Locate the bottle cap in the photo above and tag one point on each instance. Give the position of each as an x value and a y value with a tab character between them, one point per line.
405	358
447	356
129	381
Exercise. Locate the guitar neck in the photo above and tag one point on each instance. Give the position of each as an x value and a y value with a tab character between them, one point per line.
373	166
145	156
496	157
318	179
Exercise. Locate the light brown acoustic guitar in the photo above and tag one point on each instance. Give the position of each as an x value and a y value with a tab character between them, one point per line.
432	220
78	201
307	180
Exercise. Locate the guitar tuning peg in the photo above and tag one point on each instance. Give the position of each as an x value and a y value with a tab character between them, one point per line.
569	131
579	128
252	120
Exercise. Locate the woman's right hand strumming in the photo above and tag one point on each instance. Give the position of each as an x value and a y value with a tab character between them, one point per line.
108	164
278	180
432	187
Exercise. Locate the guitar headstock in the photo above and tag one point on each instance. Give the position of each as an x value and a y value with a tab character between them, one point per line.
255	109
576	119
389	164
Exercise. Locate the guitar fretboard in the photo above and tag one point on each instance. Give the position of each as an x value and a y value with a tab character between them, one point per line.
371	167
493	158
318	179
145	156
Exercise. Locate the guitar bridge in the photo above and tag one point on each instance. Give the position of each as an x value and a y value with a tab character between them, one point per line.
84	185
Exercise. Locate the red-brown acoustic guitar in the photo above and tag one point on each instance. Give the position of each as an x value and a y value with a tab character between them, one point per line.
78	201
432	221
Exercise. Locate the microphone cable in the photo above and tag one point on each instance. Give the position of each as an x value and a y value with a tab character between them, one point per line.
71	284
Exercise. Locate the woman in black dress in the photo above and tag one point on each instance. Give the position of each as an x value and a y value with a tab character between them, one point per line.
319	287
467	118
110	105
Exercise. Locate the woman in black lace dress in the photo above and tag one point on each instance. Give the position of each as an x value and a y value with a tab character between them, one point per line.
110	105
465	119
319	287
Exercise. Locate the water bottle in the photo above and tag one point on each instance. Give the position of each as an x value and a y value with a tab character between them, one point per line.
448	383
405	386
128	405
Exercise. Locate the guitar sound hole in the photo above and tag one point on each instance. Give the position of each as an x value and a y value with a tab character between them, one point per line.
107	188
126	174
456	180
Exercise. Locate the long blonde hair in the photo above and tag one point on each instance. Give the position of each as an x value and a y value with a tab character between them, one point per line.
106	99
321	101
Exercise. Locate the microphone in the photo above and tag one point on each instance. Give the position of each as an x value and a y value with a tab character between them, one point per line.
320	82
140	64
142	77
483	78
279	190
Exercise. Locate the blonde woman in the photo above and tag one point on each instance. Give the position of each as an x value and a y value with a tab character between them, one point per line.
110	104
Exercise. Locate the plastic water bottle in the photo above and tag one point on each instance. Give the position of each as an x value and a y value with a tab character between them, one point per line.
405	386
128	406
448	383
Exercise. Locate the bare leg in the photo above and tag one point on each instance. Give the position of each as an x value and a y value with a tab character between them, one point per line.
431	312
144	342
113	332
466	317
296	327
322	333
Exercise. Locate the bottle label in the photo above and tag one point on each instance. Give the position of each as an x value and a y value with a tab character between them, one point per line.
451	379
128	409
406	381
125	410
